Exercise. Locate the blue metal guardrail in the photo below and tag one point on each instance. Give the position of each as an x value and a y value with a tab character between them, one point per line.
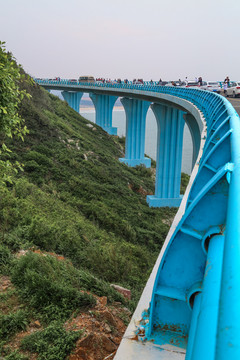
196	296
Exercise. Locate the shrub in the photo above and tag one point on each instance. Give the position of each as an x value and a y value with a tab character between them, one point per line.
184	182
40	159
5	258
41	282
12	323
15	356
52	343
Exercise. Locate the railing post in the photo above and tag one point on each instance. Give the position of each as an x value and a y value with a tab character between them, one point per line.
73	99
203	346
136	112
193	326
104	107
170	124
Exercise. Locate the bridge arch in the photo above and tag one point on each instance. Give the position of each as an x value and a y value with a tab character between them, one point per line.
104	97
190	305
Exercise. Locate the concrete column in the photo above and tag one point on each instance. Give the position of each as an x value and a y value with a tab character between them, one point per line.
104	107
73	99
195	134
136	112
170	123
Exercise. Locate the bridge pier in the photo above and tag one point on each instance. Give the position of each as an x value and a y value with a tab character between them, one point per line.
195	134
73	99
104	107
136	112
170	123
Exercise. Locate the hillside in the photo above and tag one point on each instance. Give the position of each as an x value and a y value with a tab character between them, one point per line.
74	222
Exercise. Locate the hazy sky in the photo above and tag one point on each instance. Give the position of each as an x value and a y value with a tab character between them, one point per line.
130	39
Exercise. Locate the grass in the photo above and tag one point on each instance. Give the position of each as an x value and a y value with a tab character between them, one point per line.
75	199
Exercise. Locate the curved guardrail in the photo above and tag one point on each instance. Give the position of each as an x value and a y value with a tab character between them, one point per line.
196	292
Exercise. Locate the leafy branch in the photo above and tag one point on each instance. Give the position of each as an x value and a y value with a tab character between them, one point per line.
11	123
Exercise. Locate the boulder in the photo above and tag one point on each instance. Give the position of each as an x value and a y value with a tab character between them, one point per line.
125	292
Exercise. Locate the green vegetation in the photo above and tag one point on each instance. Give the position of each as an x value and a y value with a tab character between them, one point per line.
55	288
75	199
53	343
12	323
11	124
15	355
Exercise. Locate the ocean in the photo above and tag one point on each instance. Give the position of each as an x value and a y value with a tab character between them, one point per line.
119	121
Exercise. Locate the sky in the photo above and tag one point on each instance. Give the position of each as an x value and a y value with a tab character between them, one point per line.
149	39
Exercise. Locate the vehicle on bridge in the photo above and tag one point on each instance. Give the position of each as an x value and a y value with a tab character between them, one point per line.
86	79
189	83
211	86
234	89
173	83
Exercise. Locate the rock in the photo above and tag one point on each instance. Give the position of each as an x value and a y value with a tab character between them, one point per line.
107	328
37	324
80	355
21	253
127	311
90	125
107	344
107	316
103	300
97	324
93	347
96	339
125	292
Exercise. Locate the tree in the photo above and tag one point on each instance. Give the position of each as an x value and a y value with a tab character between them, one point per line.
11	123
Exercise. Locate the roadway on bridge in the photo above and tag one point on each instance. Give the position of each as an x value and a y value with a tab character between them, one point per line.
235	103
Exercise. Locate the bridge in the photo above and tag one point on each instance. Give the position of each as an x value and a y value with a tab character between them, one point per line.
189	308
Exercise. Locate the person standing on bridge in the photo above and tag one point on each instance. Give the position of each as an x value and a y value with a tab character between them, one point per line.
227	80
225	86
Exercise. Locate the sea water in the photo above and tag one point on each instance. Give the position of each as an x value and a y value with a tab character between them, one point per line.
119	121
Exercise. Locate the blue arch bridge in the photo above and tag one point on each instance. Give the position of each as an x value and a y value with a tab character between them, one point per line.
190	307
